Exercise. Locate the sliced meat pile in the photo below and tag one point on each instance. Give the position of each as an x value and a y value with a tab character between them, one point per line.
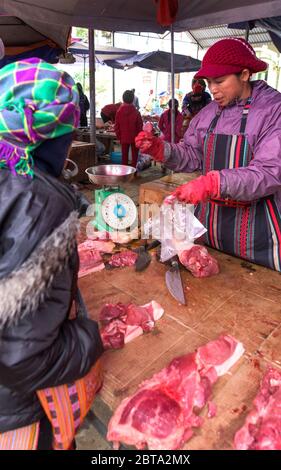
262	429
160	415
122	323
90	255
125	258
198	261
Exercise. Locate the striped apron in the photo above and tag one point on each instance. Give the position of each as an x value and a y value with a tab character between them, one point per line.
249	230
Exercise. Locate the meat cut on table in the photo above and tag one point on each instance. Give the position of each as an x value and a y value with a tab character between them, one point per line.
161	413
90	258
122	259
102	246
90	261
262	429
198	261
122	323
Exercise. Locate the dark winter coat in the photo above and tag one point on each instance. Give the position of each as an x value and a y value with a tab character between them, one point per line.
39	346
84	107
128	123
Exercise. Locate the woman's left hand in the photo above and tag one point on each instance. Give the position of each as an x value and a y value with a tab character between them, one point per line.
199	190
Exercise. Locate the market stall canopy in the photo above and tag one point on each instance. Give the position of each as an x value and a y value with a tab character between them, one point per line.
102	53
135	15
159	61
206	37
271	27
24	39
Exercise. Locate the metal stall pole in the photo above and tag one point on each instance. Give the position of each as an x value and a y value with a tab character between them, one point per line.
173	87
84	71
92	60
113	72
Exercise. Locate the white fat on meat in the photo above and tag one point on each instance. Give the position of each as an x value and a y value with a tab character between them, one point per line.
160	415
221	354
134	320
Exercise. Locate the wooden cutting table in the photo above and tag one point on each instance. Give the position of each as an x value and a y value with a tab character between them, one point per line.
83	154
243	300
107	138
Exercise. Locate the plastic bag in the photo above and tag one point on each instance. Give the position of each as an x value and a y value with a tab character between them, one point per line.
176	227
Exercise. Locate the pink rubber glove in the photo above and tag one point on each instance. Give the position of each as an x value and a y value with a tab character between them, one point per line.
148	143
199	190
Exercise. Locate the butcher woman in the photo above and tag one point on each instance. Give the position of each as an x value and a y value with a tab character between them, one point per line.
235	141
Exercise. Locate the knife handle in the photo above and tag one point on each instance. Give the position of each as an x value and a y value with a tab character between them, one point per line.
174	264
152	245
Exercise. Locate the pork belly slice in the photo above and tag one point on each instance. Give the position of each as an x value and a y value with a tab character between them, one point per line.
90	261
101	246
161	414
130	321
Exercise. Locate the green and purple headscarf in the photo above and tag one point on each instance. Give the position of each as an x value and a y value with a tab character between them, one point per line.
37	102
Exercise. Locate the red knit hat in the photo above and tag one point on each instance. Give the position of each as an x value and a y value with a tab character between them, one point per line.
228	56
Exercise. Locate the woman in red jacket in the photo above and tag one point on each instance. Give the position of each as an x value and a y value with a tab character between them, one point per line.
165	123
128	123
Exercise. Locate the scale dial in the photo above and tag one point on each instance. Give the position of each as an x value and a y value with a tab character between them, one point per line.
118	211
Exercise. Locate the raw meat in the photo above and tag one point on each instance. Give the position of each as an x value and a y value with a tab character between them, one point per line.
99	245
199	262
221	355
90	261
160	415
262	429
112	311
125	258
122	323
90	255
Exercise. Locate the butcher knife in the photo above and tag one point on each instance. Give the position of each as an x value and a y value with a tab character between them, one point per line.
174	282
144	257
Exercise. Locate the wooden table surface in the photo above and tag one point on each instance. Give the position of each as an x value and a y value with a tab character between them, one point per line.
243	300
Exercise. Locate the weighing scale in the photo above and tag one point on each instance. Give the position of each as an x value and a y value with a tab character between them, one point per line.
114	210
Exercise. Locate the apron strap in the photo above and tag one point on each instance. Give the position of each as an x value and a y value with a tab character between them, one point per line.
245	116
243	120
214	122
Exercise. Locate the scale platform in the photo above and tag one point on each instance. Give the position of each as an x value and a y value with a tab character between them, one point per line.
114	210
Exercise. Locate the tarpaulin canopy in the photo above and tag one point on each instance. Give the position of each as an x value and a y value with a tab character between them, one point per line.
135	15
271	25
18	33
102	53
28	39
159	61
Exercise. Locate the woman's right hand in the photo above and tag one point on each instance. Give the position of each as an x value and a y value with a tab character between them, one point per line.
151	145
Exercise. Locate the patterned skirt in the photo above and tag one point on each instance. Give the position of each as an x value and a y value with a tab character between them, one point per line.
65	406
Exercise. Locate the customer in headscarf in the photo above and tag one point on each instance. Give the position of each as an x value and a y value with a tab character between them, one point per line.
41	349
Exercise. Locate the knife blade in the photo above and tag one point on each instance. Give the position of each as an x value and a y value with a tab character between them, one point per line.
174	282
